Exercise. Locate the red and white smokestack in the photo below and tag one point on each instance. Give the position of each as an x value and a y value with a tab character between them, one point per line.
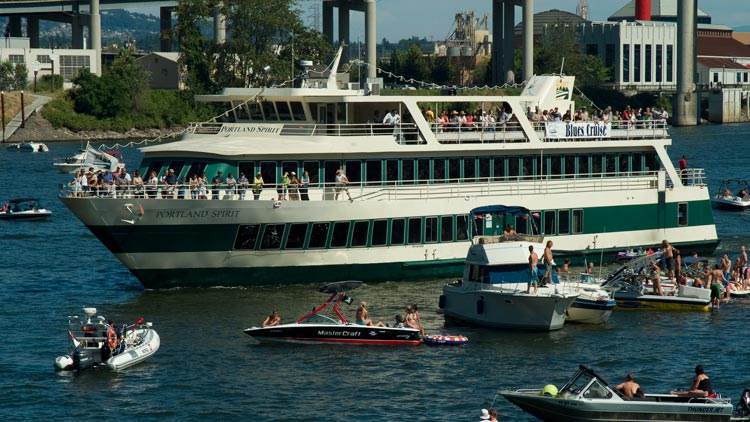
643	10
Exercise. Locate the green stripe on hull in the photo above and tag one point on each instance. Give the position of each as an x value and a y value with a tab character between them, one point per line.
247	277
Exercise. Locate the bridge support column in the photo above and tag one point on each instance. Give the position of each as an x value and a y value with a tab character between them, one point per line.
32	31
76	38
685	101
344	39
328	22
220	25
165	26
528	39
95	34
14	26
370	39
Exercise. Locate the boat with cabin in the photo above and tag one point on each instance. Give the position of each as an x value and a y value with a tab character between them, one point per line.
317	328
90	157
587	397
412	186
93	342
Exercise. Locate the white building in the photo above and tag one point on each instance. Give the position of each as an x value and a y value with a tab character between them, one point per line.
45	61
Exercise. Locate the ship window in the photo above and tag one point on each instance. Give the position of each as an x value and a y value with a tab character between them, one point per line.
268	172
359	234
272	236
415	231
583	166
623	164
563	222
379	232
454	170
549	222
397	231
475	273
499	169
423	171
196	168
177	166
682	214
513	170
284	112
556	166
296	237
522	225
269	112
289	167
340	234
374	173
462	227
353	171
446	228
484	169
652	162
248	169
298	112
577	221
470	170
330	171
313	169
527	168
536	223
596	165
430	229
153	166
391	171
610	158
407	171
246	237
570	166
255	112
438	170
318	235
637	163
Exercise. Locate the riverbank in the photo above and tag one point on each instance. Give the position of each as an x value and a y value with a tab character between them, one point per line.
38	129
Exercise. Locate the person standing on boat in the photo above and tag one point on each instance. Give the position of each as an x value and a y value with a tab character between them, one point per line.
534	272
216	182
668	251
257	186
244	185
683	170
629	388
341	185
701	385
304	185
548	263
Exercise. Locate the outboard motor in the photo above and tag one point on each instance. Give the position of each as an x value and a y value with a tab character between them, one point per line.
441	302
64	363
83	359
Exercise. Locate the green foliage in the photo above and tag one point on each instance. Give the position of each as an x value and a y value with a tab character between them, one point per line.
6	76
195	50
561	48
44	83
20	76
442	72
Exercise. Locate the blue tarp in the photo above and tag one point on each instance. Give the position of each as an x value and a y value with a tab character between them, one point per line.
500	209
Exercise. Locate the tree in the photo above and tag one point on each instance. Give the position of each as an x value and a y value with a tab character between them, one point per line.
561	48
6	76
412	65
195	50
20	77
441	71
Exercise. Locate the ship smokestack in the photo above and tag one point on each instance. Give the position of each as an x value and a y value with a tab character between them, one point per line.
643	10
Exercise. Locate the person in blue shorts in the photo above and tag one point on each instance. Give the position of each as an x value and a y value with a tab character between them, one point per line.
533	270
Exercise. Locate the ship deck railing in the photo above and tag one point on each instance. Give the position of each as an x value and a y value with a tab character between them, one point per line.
402	190
487	240
451	133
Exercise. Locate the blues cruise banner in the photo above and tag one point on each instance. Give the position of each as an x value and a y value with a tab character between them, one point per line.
593	130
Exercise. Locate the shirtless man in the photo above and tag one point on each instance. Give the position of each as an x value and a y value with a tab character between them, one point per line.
668	258
533	271
716	278
629	387
548	262
742	263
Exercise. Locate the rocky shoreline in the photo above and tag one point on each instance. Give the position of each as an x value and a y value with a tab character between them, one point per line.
38	129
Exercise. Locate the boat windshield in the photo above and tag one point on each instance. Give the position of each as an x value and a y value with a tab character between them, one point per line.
579	382
319	319
586	384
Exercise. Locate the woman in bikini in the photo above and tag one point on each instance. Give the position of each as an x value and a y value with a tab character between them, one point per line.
362	319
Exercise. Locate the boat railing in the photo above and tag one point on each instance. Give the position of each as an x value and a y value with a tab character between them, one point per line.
487	240
401	190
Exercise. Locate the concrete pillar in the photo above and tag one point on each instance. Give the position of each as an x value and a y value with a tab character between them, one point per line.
14	26
497	42
220	25
165	28
32	31
528	39
371	42
76	37
509	17
344	38
685	101
328	21
95	32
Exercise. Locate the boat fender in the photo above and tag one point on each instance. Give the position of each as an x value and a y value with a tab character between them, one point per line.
549	390
64	363
480	306
441	302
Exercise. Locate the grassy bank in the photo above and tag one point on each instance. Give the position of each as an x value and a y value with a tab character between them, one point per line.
13	104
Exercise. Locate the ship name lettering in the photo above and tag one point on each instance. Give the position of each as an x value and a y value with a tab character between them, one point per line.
225	213
182	214
695	409
250	129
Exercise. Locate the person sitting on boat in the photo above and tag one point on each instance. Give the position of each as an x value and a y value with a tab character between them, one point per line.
590	268
566	266
273	319
628	388
726	193
362	319
701	385
413	319
4	208
742	194
399	322
509	232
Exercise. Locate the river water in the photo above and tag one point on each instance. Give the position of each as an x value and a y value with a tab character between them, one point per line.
207	369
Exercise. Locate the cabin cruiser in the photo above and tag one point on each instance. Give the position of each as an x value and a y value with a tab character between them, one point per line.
95	342
90	157
587	397
316	328
494	291
732	195
24	209
631	285
29	147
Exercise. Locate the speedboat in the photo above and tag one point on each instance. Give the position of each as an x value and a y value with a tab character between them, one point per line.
732	195
93	342
594	304
631	289
24	209
316	328
90	157
630	254
588	397
493	291
29	147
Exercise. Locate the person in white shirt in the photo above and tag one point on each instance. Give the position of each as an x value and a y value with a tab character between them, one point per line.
342	183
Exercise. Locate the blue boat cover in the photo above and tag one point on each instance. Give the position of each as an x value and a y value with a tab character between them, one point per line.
500	209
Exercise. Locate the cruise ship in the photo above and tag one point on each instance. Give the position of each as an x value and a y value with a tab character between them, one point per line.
592	186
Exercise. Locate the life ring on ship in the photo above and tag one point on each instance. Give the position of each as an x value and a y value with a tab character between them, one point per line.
111	338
